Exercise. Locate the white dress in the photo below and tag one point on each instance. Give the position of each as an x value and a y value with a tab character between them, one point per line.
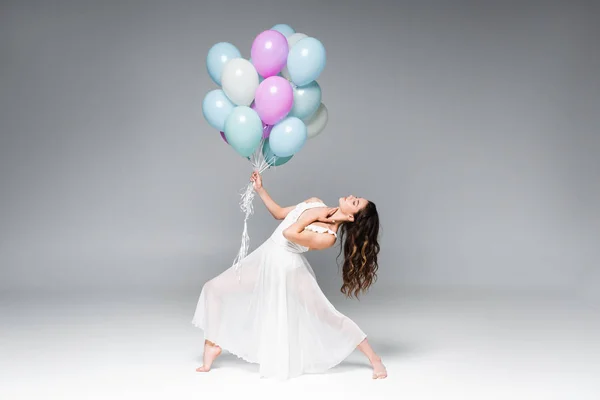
277	316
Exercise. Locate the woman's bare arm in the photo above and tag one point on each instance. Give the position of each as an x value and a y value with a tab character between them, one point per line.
275	209
316	241
310	239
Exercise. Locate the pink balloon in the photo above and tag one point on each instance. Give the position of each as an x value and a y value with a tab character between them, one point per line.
269	53
223	137
266	128
273	99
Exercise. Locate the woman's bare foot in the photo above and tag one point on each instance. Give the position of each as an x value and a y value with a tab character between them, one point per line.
211	352
379	371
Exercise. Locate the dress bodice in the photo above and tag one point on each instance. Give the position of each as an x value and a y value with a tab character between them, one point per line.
290	219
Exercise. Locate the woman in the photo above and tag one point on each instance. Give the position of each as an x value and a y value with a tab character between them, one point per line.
274	312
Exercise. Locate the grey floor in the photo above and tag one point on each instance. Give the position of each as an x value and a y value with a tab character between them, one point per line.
437	345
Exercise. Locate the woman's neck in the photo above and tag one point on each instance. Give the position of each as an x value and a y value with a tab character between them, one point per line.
339	219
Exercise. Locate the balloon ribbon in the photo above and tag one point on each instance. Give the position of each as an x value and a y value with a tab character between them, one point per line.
259	164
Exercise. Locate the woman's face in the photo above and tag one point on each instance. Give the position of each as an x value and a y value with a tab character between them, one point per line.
350	205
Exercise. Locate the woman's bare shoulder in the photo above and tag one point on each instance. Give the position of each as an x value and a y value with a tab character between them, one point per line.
313	200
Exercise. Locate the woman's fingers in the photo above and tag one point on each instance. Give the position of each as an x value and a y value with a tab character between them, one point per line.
327	220
326	217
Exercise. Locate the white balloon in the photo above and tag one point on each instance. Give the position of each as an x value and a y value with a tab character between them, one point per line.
295	38
292	40
316	123
240	81
286	74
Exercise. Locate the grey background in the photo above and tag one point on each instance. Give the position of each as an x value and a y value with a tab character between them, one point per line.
473	126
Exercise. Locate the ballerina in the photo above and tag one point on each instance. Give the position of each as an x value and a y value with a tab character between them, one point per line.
275	314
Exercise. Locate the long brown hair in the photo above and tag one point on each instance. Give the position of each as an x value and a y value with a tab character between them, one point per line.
360	246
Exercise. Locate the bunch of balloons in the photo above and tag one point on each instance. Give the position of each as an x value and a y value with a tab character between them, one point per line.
270	104
267	106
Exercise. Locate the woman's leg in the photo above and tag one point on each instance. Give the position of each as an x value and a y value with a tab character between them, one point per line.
214	292
379	371
211	352
305	287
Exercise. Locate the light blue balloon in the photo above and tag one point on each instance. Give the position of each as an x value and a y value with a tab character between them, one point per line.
271	158
284	29
306	60
287	137
307	100
216	107
217	57
243	130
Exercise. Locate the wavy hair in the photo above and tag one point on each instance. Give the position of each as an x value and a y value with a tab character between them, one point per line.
360	247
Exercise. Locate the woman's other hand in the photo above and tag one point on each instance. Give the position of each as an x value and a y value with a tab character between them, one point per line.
320	214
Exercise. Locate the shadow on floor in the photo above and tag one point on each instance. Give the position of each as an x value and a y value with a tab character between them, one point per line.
227	360
358	361
384	348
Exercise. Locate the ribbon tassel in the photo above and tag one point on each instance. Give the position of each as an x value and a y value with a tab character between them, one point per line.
259	164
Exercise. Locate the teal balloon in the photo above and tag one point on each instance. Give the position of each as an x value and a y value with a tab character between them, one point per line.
306	60
284	29
271	158
307	100
243	130
287	137
217	57
216	107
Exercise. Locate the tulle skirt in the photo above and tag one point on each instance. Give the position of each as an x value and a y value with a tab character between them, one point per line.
276	315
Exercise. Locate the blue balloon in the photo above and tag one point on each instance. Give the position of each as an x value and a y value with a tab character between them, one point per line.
243	130
271	158
284	29
216	107
307	100
217	57
287	137
306	61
